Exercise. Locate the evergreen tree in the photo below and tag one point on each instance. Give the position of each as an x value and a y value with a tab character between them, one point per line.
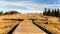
48	12
45	12
57	12
53	12
1	12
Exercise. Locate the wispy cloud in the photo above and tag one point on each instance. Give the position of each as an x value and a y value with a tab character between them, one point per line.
30	5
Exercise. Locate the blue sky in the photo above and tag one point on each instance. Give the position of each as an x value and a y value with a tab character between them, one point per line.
28	6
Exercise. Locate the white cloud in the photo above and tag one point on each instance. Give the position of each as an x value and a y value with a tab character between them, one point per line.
32	6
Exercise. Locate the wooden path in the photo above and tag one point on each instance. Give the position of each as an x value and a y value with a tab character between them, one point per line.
27	27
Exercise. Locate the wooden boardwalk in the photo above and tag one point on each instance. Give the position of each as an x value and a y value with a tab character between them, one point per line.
27	27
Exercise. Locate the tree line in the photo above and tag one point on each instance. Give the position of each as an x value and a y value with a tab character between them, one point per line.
53	12
9	12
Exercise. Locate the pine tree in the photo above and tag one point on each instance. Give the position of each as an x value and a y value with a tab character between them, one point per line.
57	12
1	12
48	12
53	12
44	13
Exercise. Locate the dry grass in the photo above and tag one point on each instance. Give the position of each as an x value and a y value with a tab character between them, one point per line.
7	25
53	26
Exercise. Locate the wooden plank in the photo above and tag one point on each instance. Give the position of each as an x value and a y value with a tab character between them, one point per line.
27	27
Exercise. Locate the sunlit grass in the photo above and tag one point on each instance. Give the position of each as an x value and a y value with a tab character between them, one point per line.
53	26
7	25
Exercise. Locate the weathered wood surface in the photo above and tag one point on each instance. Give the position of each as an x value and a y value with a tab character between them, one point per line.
27	27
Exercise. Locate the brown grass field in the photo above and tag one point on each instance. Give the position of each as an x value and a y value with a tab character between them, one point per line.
52	24
7	25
